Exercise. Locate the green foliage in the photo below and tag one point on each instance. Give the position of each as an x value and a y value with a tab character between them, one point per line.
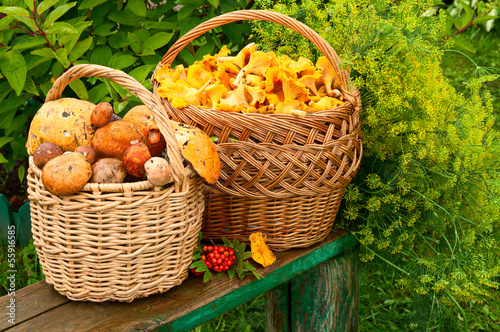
29	270
464	14
427	197
41	39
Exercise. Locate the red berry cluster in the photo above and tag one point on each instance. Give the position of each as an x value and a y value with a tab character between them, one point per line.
217	258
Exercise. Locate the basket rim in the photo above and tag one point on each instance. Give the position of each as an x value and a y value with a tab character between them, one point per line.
119	187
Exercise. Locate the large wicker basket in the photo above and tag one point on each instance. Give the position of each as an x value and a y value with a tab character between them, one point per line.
117	241
286	174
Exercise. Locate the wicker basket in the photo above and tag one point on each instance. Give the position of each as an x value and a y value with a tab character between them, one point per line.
286	174
117	241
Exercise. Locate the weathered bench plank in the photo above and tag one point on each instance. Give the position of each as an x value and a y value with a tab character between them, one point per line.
323	298
183	307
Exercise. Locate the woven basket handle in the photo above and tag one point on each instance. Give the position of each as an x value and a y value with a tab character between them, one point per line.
263	15
150	100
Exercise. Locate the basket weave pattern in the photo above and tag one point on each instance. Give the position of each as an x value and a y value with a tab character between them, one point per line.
285	175
117	241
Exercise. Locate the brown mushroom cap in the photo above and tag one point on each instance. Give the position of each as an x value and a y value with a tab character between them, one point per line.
142	117
66	174
65	122
113	139
199	150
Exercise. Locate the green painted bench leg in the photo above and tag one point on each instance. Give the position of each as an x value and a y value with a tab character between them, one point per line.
6	218
324	298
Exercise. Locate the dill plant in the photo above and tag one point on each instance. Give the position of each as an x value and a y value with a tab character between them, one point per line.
426	199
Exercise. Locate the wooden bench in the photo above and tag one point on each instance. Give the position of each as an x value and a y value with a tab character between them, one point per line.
312	289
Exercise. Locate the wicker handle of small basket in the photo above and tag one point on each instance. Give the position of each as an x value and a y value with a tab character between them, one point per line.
150	100
263	15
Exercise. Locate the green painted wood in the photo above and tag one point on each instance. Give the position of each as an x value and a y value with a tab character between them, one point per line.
257	287
22	220
278	308
6	218
326	297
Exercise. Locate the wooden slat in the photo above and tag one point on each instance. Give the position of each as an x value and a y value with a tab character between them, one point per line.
277	308
326	297
30	302
190	304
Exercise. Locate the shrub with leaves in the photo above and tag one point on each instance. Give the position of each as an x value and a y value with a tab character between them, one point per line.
41	39
426	199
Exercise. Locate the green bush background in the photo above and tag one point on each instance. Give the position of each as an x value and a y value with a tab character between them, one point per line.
425	204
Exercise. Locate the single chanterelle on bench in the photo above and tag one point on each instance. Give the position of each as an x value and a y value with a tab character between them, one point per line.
311	289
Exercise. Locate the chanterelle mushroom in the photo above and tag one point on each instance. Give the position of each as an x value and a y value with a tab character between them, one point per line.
329	75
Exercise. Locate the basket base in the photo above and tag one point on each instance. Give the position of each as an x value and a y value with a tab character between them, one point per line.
295	222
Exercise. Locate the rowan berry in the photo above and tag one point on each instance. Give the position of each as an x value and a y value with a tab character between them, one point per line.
229	262
205	248
221	249
210	248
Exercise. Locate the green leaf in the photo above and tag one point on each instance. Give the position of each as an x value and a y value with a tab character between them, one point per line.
135	44
120	107
5	22
196	264
29	43
233	32
18	125
80	49
142	72
185	11
214	3
45	52
28	21
79	88
14	69
483	19
258	276
138	7
5	140
97	93
104	29
58	12
30	86
45	87
15	11
61	28
205	49
161	25
124	61
57	69
6	120
118	40
30	4
158	40
86	4
62	57
125	18
44	5
201	269
188	57
469	13
463	45
2	159
101	55
230	273
189	25
5	89
120	89
207	276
